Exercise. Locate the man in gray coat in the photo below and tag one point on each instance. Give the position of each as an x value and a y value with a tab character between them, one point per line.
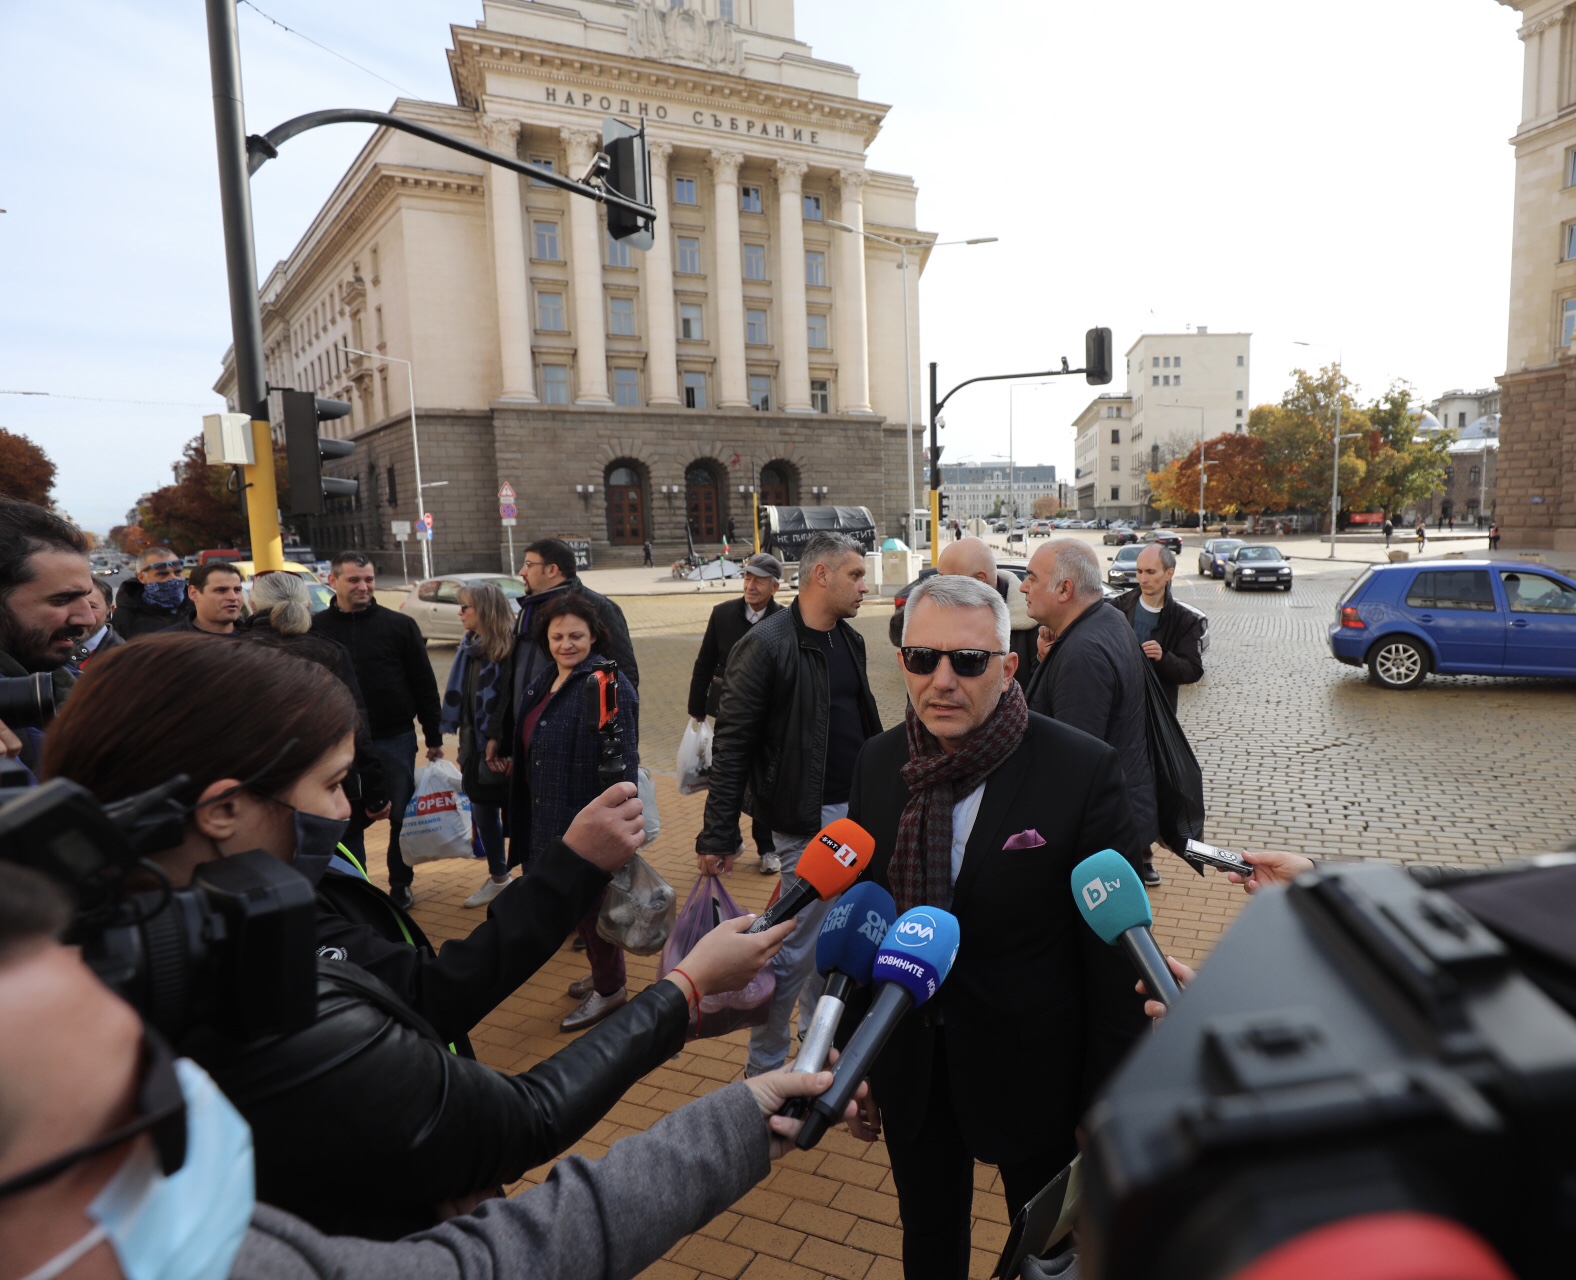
1093	676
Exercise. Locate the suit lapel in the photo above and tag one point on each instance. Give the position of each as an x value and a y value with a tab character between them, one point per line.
995	812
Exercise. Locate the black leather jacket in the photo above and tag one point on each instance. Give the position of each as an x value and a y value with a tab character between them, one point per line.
365	1123
770	737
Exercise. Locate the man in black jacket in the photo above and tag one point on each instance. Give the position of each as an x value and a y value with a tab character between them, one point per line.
1093	676
796	708
1169	632
156	600
724	629
983	808
397	684
216	596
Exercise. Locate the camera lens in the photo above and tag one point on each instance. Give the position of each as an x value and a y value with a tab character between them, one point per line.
27	702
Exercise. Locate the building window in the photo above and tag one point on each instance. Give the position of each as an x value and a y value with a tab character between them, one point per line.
725	10
689	256
817	331
755	262
815	269
550	311
1241	360
749	199
393	488
621	317
1156	360
1165	362
1154	380
755	328
1116	436
760	391
821	395
1241	394
1568	322
555	384
1570	167
1239	413
1165	380
626	388
1569	232
690	326
1116	493
1116	463
812	208
684	191
542	162
617	252
1474	475
1176	379
694	390
1176	362
546	241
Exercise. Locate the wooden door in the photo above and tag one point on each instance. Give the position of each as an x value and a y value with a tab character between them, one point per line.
626	517
701	505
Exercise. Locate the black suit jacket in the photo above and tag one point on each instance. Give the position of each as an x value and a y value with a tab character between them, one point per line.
1037	1010
724	629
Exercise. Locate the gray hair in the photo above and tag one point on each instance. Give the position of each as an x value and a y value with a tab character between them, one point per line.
287	600
953	591
826	548
1168	557
1076	563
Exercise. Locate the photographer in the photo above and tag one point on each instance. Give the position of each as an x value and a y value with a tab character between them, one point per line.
93	1184
424	1130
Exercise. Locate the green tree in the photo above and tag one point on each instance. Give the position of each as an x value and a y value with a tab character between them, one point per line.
1299	438
26	473
1403	468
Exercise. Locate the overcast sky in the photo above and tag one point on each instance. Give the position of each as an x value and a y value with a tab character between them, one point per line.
1336	173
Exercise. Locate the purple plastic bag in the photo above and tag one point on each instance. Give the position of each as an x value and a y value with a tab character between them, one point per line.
707	906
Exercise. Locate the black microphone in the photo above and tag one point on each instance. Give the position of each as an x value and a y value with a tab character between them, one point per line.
1113	903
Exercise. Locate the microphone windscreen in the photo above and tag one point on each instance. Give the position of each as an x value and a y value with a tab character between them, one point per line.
835	856
918	952
1110	895
853	929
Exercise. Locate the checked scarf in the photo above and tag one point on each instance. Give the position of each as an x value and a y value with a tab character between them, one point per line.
921	866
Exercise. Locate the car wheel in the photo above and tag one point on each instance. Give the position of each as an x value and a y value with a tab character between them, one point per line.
1228	584
1397	664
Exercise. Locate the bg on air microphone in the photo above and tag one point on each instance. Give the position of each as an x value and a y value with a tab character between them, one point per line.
830	863
1114	904
910	967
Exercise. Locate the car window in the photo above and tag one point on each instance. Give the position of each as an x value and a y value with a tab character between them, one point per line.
428	590
1258	553
1224	546
1533	593
511	587
448	593
321	596
1127	554
1452	589
1362	581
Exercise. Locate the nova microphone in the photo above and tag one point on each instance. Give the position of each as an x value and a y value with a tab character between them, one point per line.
1115	906
910	967
829	864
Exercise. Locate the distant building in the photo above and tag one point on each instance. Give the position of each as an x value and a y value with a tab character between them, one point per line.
1104	429
1457	408
984	489
1468	489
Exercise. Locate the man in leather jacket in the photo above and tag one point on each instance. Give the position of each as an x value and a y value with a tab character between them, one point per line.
1169	632
796	708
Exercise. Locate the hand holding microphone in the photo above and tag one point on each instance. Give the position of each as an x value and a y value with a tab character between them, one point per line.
830	863
1113	903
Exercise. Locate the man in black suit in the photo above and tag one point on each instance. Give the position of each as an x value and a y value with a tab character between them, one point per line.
980	806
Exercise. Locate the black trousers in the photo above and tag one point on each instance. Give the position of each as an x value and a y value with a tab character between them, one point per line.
934	1172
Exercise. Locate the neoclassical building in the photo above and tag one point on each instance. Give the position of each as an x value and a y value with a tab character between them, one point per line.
622	393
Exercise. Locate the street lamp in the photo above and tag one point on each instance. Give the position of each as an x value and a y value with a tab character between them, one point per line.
908	367
1335	478
415	450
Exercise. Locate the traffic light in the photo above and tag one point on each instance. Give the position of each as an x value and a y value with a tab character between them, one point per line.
946	504
299	412
1097	357
628	173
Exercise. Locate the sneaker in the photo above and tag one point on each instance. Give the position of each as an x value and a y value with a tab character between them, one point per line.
592	1010
580	988
579	944
490	889
771	864
404	899
1148	874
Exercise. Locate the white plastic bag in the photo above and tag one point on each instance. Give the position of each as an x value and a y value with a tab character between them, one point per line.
438	817
638	909
647	791
694	758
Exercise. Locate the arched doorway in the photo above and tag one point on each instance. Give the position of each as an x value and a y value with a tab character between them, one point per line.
626	505
777	484
703	502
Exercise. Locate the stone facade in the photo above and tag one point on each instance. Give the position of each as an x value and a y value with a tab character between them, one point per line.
1536	486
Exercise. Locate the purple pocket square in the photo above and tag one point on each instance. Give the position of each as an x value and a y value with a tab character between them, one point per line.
1030	839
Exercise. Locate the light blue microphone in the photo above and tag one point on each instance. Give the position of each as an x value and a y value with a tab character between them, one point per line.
1112	900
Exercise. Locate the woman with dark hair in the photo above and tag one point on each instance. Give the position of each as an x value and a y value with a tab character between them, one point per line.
556	755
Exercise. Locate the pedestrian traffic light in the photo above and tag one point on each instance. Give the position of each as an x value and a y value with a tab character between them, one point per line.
628	174
299	413
1097	357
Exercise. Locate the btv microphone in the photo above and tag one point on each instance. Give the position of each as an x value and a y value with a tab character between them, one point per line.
829	864
1115	906
910	967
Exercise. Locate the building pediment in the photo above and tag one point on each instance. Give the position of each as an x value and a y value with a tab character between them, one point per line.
685	36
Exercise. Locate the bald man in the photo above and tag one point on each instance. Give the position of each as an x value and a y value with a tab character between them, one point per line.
969	558
973	558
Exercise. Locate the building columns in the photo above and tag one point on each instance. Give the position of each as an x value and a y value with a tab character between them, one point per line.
733	391
585	264
853	334
792	335
662	376
509	270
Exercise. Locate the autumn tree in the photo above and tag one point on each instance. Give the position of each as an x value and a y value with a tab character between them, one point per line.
1299	438
129	539
1238	478
26	473
198	510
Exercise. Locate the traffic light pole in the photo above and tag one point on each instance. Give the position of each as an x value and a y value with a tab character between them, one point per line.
246	321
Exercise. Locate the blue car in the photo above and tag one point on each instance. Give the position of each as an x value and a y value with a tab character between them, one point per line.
1457	617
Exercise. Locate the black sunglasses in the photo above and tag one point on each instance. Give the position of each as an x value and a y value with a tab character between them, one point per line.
965	662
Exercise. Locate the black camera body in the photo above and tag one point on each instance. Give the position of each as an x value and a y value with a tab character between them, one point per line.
235	950
1356	1044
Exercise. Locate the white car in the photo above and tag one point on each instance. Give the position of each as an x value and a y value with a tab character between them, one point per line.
435	603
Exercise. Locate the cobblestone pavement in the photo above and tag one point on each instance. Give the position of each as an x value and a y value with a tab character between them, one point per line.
1298	752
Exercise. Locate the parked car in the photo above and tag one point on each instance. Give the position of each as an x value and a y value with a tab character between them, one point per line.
1467	617
1018	537
1257	566
1212	556
435	603
1119	535
1166	538
1123	572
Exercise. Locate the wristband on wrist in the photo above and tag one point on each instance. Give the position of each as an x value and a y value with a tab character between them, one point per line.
694	996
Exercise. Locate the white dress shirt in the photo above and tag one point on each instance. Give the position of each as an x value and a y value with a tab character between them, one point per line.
963	814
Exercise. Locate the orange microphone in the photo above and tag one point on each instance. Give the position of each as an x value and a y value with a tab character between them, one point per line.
830	863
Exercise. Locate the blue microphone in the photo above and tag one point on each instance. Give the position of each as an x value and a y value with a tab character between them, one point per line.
845	955
910	966
1114	904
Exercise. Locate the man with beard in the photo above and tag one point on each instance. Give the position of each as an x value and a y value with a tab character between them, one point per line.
45	585
156	601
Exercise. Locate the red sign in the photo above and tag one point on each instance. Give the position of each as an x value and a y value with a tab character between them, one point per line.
436	802
1365	517
506	492
427	517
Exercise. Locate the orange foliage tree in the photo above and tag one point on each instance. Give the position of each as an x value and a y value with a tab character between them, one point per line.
26	472
1238	478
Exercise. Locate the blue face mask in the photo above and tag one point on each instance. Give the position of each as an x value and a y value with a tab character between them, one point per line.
187	1225
168	593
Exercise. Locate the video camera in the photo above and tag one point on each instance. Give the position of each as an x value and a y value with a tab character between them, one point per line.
1358	1044
235	951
